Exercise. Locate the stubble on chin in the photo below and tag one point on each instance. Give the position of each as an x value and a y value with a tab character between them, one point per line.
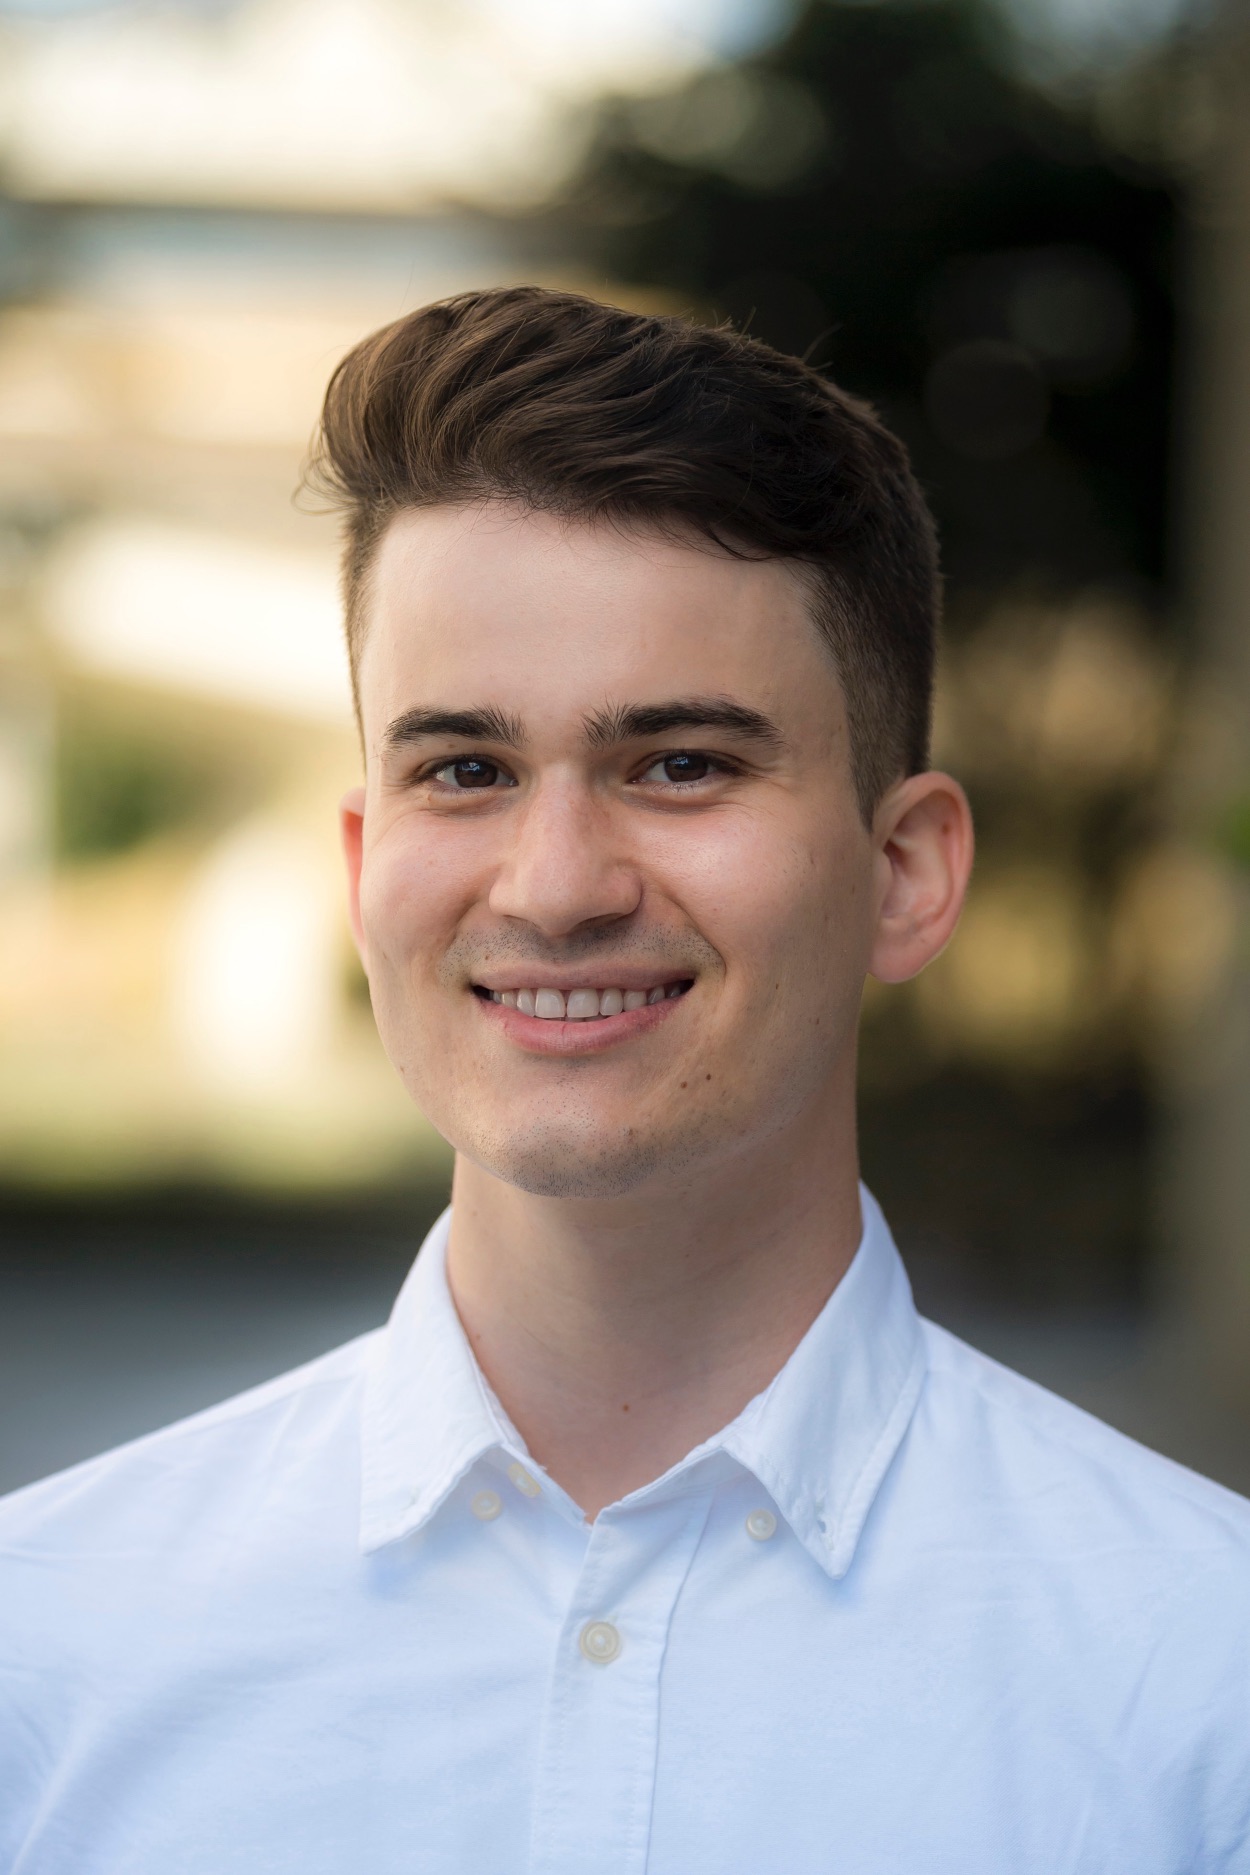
568	1150
560	1157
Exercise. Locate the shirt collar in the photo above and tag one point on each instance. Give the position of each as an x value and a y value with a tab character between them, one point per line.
819	1439
822	1436
428	1415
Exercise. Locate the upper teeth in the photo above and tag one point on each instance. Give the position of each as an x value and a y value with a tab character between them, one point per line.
581	1005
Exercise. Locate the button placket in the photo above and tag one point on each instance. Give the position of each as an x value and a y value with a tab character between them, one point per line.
597	1755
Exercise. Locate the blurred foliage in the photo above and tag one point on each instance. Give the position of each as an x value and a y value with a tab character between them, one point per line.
1234	834
883	191
129	770
113	793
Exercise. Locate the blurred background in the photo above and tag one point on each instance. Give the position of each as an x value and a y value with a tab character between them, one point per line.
1021	227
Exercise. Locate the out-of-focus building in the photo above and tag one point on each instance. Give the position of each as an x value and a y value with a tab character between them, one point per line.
204	207
179	983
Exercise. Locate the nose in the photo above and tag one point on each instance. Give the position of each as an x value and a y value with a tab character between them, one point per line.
565	868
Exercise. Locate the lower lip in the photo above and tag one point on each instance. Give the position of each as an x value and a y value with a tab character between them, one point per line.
554	1036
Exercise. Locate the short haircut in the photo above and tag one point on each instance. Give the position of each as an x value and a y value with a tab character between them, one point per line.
575	408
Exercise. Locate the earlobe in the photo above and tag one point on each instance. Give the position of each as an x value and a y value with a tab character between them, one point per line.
351	829
925	846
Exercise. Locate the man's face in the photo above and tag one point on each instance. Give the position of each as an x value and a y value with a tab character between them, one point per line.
606	772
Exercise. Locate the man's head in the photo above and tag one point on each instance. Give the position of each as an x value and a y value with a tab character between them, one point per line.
642	623
572	408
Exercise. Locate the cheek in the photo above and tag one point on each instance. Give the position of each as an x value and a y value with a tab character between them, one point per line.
412	890
784	900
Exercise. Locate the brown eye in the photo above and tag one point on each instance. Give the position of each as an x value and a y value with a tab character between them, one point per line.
470	772
683	767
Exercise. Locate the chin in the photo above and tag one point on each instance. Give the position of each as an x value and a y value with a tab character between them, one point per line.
574	1154
546	1162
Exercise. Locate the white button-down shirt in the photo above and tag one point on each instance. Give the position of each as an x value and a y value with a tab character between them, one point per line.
907	1615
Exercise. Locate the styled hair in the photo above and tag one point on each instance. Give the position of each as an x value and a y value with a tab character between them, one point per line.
579	409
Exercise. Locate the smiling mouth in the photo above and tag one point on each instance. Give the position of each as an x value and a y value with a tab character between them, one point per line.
582	1005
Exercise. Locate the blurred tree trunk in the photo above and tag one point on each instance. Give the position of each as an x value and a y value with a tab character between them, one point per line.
1208	1183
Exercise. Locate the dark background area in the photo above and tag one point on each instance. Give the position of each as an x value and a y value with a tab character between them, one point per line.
883	193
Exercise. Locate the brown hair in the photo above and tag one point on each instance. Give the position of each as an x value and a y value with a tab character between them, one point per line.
581	409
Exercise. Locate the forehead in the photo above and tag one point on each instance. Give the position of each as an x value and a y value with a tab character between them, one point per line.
544	615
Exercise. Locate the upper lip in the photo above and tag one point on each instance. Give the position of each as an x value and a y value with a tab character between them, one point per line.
527	978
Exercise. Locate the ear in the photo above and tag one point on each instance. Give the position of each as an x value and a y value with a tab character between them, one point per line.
352	830
923	832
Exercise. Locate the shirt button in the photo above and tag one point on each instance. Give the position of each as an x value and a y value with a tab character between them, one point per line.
525	1481
761	1525
600	1642
486	1506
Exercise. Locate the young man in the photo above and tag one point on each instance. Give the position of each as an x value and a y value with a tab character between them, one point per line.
655	1532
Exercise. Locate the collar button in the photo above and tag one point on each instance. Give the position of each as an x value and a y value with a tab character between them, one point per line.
525	1481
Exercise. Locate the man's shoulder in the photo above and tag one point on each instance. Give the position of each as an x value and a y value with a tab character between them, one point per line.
125	1577
184	1474
1076	1470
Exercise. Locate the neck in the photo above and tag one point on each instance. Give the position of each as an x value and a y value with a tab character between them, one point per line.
619	1334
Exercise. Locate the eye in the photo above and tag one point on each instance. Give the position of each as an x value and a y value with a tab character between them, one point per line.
683	765
471	772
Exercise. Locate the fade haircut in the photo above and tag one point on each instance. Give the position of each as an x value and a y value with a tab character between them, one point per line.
583	410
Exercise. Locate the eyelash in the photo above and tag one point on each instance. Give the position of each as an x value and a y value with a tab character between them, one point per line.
718	765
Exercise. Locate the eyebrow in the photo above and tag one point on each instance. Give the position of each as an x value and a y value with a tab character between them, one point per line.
627	722
619	723
481	725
